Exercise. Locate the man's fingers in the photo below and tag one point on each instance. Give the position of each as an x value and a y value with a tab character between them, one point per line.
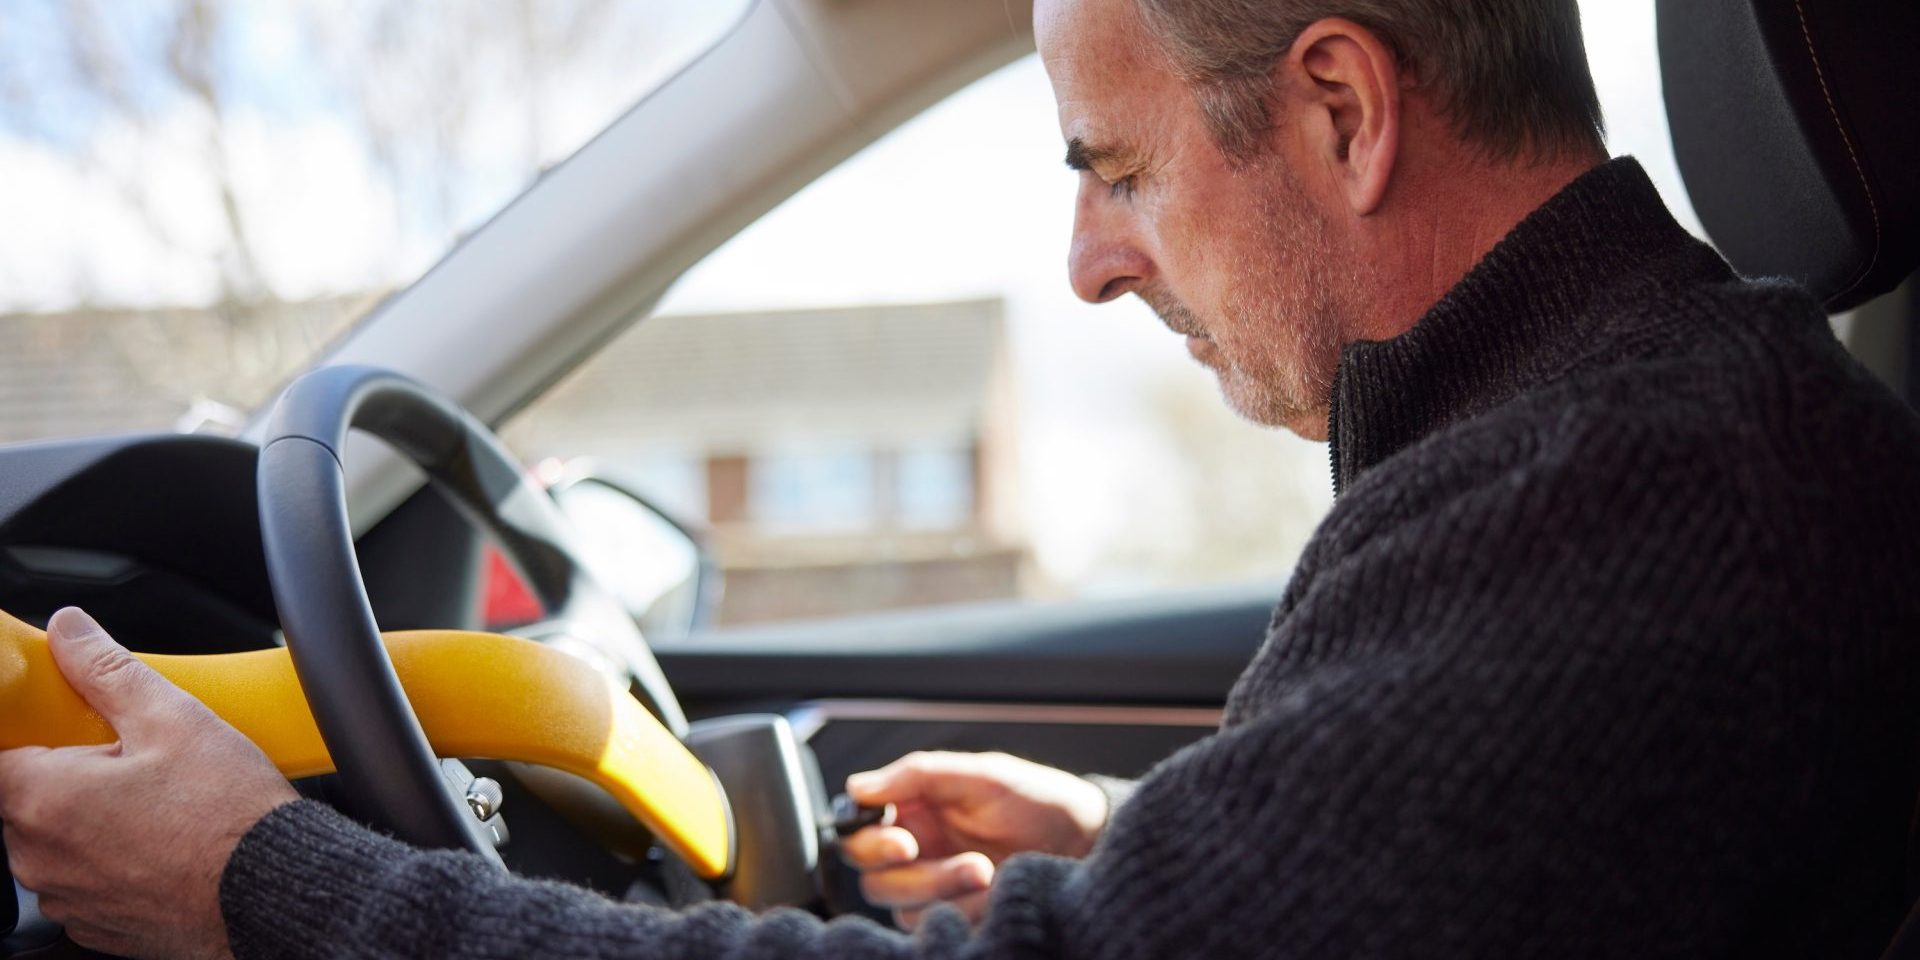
875	848
17	776
103	673
87	935
936	776
928	881
908	918
973	906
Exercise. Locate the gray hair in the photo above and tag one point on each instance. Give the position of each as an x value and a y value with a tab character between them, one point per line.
1511	74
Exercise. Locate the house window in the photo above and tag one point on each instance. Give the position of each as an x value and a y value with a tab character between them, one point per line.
674	480
934	488
813	491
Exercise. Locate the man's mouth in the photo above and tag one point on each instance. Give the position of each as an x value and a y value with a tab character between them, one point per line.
1182	323
1178	319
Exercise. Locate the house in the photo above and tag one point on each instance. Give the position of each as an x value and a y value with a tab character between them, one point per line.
845	460
116	370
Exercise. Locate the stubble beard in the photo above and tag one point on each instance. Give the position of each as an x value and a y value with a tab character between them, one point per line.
1277	344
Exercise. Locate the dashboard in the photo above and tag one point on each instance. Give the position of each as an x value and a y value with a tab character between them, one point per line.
158	537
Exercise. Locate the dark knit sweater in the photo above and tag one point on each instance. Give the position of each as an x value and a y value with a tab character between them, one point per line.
1607	649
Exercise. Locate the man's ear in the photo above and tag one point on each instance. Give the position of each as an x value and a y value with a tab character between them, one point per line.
1349	84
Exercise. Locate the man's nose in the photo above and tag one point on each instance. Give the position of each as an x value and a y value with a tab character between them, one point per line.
1105	261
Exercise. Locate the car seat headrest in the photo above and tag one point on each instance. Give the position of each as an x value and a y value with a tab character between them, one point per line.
1795	125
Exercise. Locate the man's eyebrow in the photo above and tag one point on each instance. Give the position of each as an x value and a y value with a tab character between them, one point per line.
1080	156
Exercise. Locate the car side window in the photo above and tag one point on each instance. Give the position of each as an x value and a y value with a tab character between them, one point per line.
884	395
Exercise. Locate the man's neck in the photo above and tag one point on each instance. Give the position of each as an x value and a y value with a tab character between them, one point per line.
1450	213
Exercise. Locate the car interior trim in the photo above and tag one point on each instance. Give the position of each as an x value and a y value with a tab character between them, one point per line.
811	717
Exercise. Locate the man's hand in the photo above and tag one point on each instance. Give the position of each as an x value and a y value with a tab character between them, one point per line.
125	843
960	815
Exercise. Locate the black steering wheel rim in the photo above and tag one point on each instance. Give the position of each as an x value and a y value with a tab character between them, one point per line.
391	777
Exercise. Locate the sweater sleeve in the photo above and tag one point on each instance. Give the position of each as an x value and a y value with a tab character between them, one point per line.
1400	809
307	882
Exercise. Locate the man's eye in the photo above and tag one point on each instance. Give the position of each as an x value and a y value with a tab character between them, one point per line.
1120	189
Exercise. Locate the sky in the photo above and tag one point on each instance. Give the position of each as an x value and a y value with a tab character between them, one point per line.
969	200
325	215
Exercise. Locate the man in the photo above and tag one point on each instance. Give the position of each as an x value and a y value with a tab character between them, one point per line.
1603	651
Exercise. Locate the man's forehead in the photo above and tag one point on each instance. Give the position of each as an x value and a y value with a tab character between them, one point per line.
1100	61
1090	40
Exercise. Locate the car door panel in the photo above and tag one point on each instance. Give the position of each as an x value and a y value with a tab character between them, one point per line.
1103	687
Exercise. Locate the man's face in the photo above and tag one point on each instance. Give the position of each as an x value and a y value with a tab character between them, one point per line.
1236	256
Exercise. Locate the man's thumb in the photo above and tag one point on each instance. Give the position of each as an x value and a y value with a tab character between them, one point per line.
101	671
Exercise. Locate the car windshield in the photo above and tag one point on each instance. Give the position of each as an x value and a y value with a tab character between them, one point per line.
203	193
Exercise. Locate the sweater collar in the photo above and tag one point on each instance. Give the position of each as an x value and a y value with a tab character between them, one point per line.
1513	322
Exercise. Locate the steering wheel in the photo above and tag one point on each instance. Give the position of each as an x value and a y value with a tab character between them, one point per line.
390	775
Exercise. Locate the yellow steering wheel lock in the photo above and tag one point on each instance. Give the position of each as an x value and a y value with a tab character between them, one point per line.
478	695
